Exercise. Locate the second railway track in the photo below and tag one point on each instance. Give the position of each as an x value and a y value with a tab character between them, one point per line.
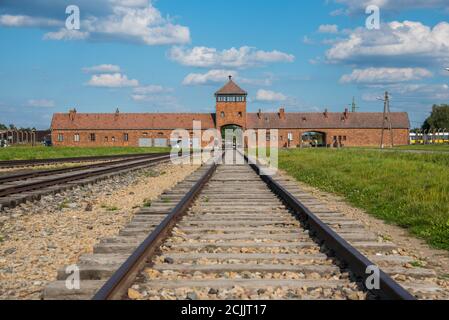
228	233
18	188
7	164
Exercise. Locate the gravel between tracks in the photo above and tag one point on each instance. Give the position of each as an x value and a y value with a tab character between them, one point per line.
36	239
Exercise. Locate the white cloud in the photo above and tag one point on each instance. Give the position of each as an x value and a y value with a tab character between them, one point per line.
360	5
385	75
316	60
243	57
397	41
102	68
409	95
120	20
270	96
151	89
328	28
307	40
41	103
115	80
65	34
212	76
7	20
220	76
130	3
159	101
143	25
266	79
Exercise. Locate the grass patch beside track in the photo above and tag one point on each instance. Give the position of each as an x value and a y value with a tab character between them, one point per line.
430	147
409	190
39	153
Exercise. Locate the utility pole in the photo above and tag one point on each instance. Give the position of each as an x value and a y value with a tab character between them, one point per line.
386	123
353	105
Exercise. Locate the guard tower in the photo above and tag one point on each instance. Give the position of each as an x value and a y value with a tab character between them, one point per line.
231	106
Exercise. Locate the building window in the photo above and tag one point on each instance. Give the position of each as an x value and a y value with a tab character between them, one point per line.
60	137
125	137
290	136
145	134
106	139
92	137
76	137
344	138
268	136
240	114
113	139
222	114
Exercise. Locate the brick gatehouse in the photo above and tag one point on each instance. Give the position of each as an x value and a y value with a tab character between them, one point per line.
294	129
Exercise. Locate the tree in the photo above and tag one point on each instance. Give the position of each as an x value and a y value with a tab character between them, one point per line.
3	127
439	119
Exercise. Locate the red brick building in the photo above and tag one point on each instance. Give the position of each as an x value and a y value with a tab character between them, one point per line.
294	129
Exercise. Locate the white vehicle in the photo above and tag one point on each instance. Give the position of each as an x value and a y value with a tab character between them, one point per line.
4	143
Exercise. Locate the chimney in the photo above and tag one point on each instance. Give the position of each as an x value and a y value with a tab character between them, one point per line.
72	113
346	114
259	114
282	113
326	113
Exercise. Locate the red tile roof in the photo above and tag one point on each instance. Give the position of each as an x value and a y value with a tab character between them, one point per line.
131	121
231	88
359	120
171	121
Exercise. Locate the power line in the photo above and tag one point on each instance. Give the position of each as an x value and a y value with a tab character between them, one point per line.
386	124
354	105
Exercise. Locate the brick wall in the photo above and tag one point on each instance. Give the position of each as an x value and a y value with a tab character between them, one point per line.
349	137
108	138
234	114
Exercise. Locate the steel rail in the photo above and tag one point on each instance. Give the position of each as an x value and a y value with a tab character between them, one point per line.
82	175
43	173
35	162
116	287
356	261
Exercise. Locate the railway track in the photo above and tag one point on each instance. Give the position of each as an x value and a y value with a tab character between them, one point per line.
43	173
7	164
228	233
22	187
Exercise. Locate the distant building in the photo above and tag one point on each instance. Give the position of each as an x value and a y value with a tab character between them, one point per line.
294	129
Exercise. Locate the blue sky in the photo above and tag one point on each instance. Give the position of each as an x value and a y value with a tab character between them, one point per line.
172	55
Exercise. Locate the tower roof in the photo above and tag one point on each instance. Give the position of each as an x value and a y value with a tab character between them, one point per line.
231	88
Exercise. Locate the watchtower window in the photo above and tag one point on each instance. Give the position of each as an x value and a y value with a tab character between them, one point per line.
222	114
231	98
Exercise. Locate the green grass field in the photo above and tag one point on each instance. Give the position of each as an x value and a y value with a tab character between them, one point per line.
31	153
409	190
430	147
